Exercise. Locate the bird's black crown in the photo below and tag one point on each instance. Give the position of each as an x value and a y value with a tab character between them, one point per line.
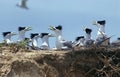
44	34
5	33
78	38
101	22
33	35
87	30
59	27
21	28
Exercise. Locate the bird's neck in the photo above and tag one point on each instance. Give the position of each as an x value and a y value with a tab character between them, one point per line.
81	42
35	42
88	36
58	33
21	35
101	31
59	38
102	28
45	41
7	39
59	42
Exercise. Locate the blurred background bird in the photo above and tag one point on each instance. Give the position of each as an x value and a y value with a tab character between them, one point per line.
23	4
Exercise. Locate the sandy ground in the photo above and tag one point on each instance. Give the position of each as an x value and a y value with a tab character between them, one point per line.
19	62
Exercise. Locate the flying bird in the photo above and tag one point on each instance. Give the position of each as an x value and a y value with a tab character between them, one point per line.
23	4
34	38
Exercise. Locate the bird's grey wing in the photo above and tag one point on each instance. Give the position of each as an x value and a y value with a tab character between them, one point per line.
103	40
68	44
115	43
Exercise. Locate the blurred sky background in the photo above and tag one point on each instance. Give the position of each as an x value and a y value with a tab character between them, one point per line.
71	14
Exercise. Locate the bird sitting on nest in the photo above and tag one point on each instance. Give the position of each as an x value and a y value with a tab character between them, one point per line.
88	40
79	41
102	38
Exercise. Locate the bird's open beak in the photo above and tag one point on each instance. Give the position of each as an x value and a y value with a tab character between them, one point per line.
28	28
51	35
13	34
52	28
94	23
83	27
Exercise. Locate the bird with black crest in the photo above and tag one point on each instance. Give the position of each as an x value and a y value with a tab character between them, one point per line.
102	38
34	39
60	43
88	39
45	41
7	37
79	41
22	31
